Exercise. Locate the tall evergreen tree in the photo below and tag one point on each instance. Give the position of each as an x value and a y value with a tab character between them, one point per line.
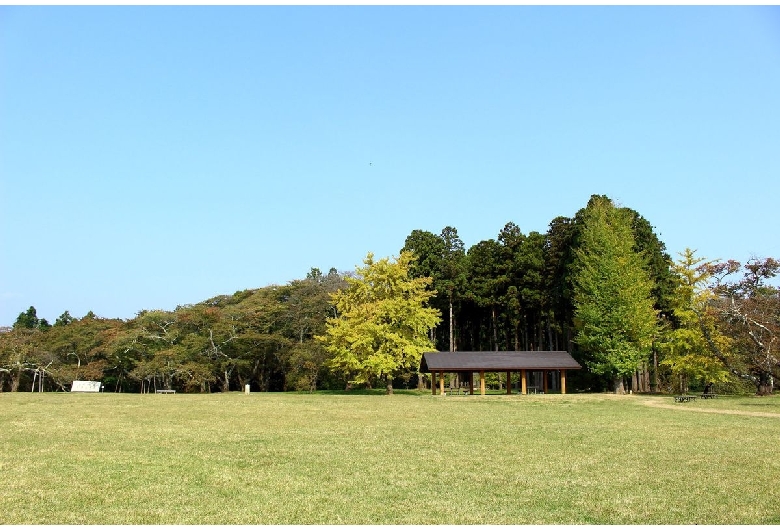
659	263
453	275
442	258
558	259
428	250
485	286
29	320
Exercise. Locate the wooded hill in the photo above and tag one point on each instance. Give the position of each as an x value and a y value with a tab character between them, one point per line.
599	284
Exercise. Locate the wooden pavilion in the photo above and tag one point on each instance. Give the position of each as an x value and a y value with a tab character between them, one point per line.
466	363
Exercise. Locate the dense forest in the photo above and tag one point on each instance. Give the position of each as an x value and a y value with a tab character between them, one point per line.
600	285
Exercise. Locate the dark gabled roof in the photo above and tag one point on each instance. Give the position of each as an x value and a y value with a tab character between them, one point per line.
496	361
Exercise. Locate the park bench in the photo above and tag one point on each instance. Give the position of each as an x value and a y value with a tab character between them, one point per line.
164	391
457	389
708	394
684	399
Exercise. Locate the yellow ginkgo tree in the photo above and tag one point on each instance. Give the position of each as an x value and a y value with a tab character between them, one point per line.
688	345
382	323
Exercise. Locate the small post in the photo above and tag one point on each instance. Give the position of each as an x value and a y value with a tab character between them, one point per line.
508	382
246	389
523	382
563	381
433	383
482	382
441	383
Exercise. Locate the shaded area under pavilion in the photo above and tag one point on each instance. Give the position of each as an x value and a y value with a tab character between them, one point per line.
466	363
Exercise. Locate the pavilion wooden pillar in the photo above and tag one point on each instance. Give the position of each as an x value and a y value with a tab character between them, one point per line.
523	383
471	383
563	381
441	383
544	378
508	382
433	383
482	382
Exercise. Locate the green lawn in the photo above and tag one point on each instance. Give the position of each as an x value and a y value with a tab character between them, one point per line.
373	459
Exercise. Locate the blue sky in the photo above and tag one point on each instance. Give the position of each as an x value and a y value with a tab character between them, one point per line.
158	156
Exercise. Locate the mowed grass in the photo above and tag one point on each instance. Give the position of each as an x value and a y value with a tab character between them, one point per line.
410	458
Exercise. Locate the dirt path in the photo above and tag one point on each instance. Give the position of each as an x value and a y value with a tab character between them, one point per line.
680	406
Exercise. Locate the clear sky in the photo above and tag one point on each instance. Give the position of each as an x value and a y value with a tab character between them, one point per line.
157	156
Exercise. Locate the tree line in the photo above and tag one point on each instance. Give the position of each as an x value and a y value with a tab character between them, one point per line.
262	337
599	284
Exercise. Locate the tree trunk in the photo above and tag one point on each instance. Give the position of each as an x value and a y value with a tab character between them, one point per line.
495	331
539	337
452	337
15	381
549	337
654	378
765	384
618	383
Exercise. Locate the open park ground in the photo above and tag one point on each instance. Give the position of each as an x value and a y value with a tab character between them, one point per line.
367	458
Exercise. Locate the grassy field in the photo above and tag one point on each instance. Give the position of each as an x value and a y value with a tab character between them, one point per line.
373	459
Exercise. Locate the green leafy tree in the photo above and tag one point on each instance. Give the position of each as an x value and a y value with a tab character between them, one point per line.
155	339
383	321
122	355
208	331
81	347
614	315
308	305
20	353
263	338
